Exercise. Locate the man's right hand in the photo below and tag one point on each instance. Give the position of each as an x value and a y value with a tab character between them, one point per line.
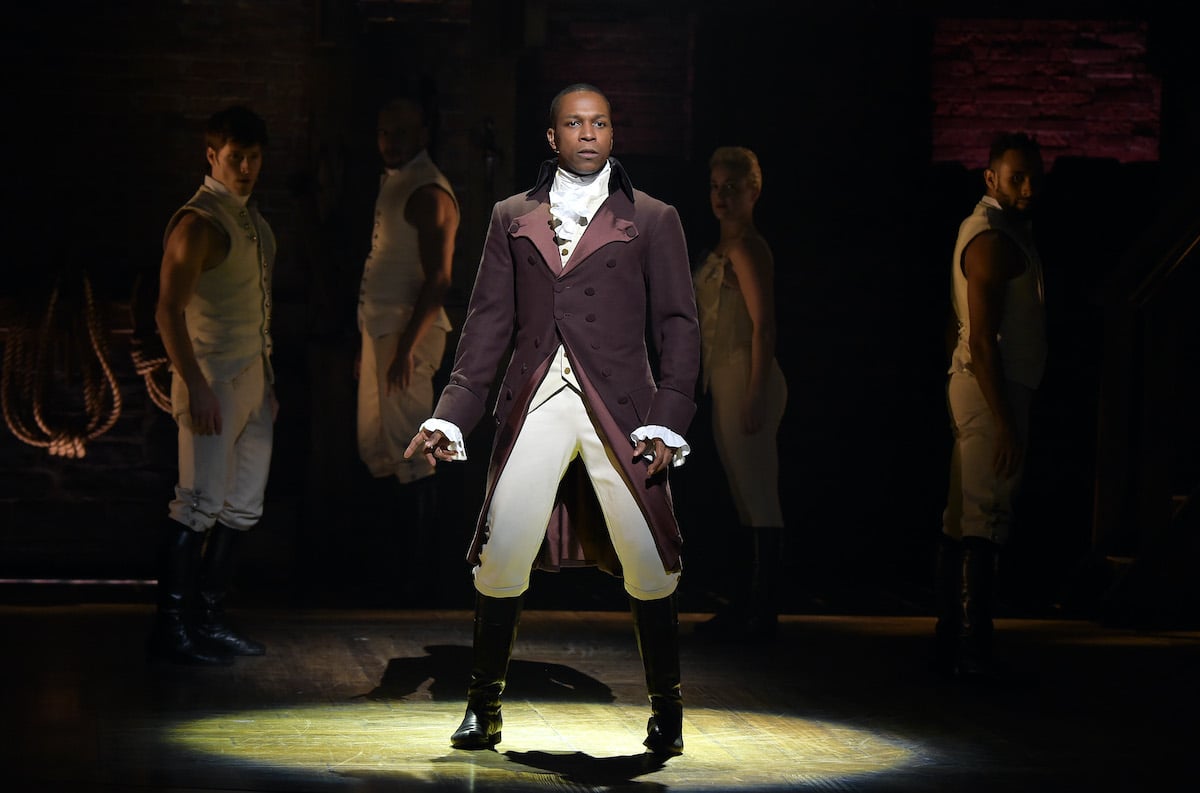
435	445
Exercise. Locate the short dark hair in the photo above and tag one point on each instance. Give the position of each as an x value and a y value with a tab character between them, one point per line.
421	93
1008	141
399	101
571	89
235	123
418	90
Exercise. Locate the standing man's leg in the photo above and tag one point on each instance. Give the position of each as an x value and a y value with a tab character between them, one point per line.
494	634
403	411
985	516
651	588
204	462
656	626
242	510
374	540
947	574
517	516
387	420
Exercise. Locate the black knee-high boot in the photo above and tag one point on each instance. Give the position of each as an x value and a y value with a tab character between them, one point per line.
173	638
974	657
729	621
496	622
947	593
753	613
216	575
656	624
763	617
421	578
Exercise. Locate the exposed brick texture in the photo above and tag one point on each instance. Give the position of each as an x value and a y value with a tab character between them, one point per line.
1083	87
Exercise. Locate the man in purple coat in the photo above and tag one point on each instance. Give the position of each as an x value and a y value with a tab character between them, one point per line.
577	275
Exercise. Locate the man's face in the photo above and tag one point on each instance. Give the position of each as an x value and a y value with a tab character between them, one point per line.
582	133
401	134
236	166
1015	182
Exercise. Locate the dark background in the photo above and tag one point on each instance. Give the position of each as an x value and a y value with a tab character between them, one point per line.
871	121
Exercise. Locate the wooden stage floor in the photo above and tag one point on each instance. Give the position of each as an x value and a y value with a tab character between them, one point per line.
365	700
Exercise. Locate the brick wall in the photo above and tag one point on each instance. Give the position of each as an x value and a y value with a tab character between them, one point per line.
639	55
1084	87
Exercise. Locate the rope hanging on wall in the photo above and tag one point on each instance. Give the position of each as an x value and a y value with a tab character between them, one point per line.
58	388
153	368
145	345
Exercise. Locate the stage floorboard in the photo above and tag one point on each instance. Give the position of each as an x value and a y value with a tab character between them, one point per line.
365	700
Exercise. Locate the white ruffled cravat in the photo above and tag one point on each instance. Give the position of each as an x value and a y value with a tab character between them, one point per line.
574	199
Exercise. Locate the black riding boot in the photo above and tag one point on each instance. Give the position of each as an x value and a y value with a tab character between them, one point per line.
215	578
729	621
974	657
496	621
172	638
420	499
656	624
763	616
753	613
947	593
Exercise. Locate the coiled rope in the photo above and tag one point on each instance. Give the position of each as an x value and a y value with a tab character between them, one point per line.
145	345
153	368
42	366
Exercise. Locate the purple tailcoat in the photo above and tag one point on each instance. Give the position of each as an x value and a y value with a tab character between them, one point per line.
627	284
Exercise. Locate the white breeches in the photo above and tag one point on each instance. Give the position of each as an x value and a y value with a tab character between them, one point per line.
979	503
555	433
224	477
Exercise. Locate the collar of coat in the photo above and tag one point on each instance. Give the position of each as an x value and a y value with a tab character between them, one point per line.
617	179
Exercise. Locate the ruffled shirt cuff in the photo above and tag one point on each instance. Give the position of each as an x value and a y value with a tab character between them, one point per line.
670	438
452	433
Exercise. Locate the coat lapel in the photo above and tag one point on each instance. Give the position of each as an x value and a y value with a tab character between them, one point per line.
535	226
613	222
